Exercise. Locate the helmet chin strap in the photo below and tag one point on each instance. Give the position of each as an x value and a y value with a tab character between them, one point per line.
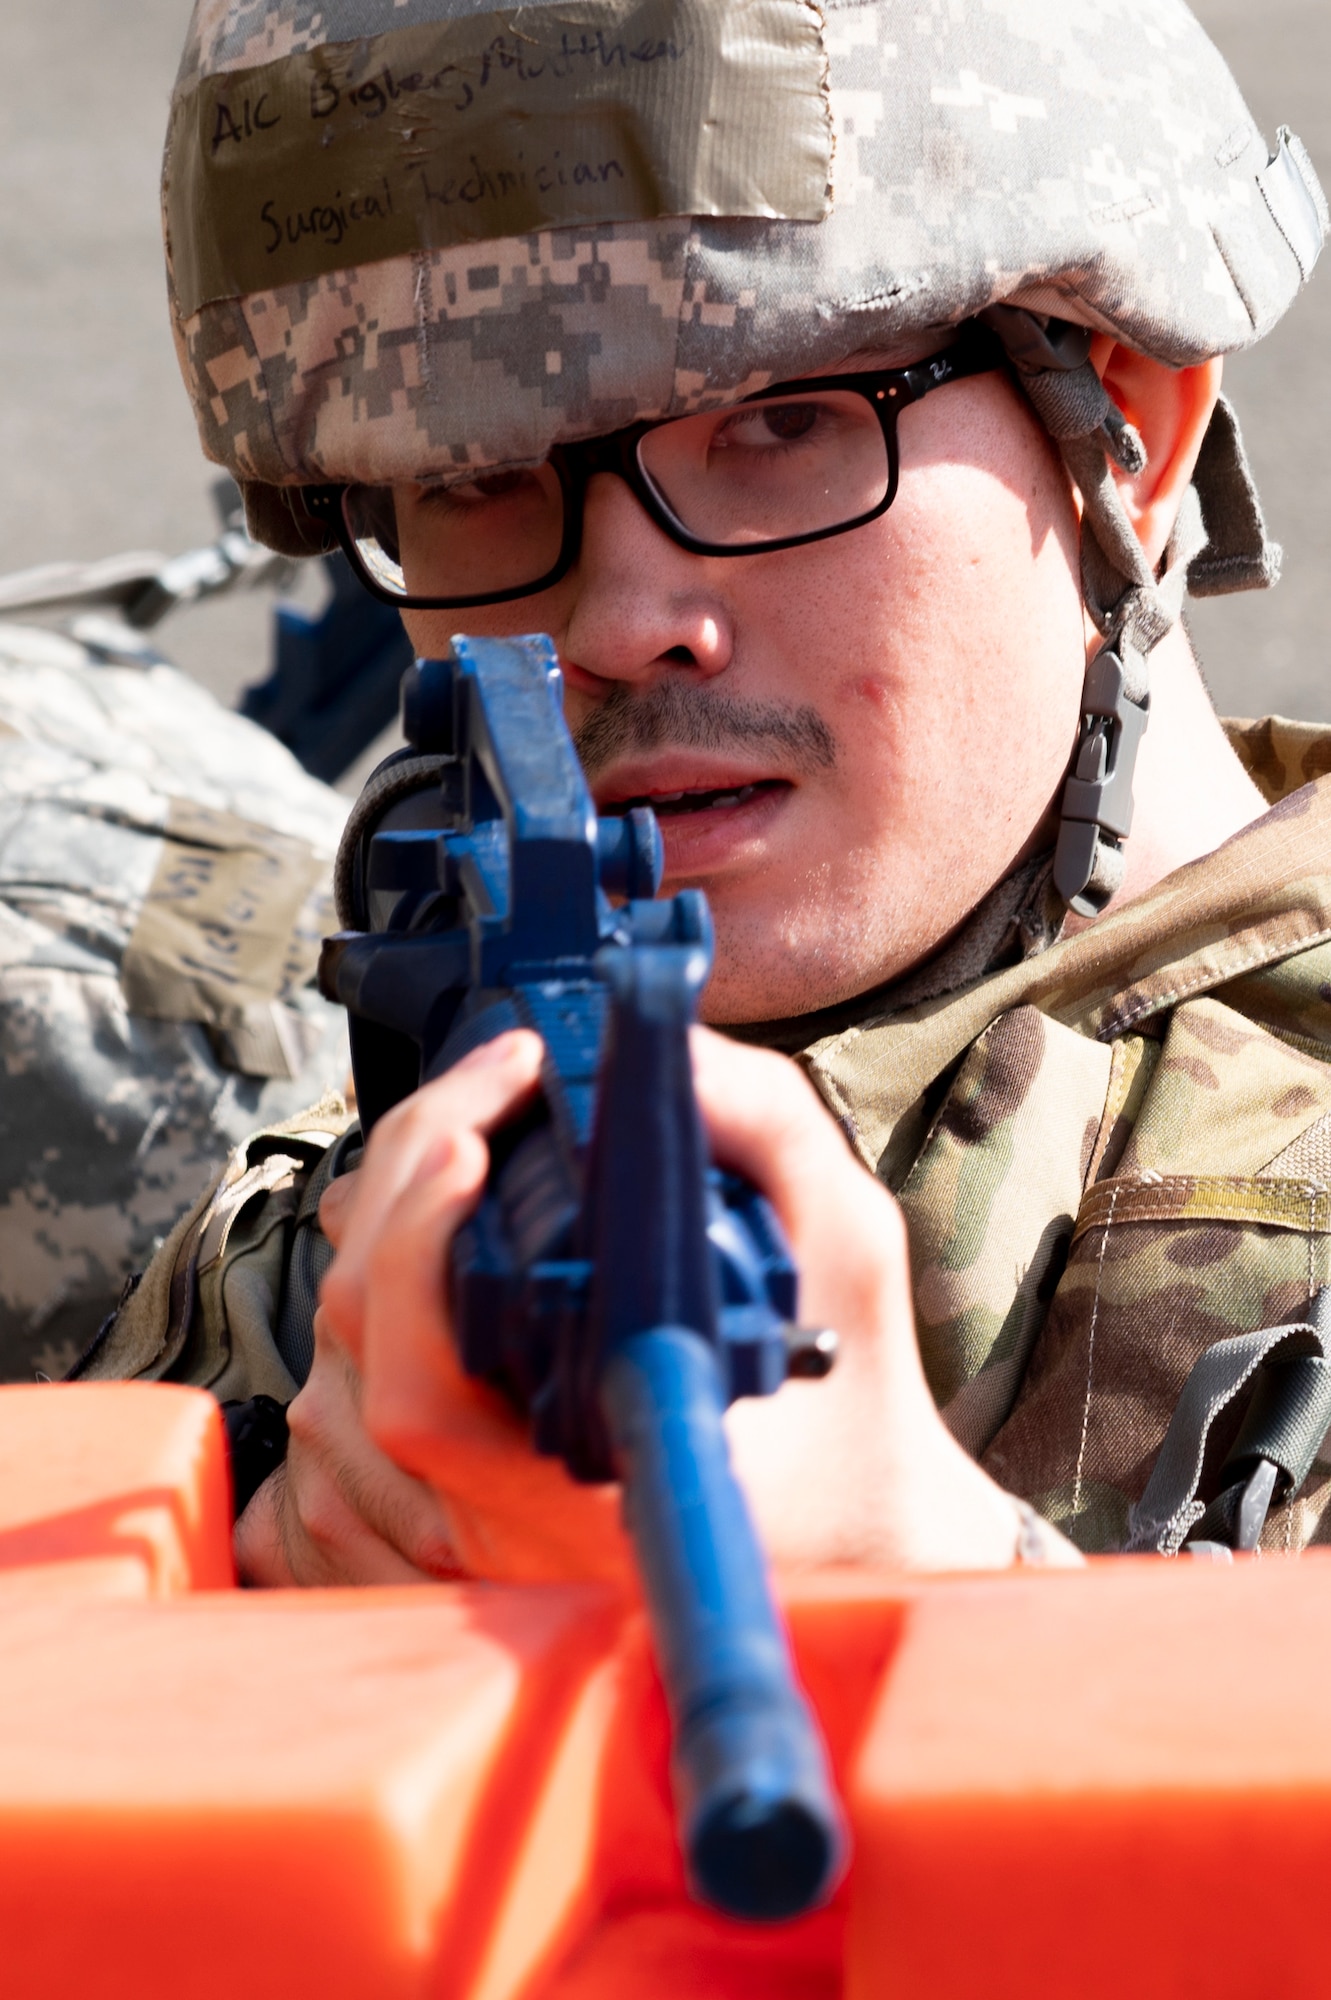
1096	814
1131	606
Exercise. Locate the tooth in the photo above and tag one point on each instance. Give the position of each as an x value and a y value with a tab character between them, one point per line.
665	798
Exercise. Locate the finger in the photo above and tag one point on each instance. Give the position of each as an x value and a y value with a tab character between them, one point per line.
438	1131
766	1121
334	1206
419	1134
365	1277
329	1539
258	1542
412	1379
762	1114
351	1515
510	1513
847	1234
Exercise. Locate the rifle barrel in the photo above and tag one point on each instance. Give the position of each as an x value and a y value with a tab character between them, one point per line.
761	1827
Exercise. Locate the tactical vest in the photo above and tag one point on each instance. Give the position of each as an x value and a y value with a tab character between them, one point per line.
1117	1154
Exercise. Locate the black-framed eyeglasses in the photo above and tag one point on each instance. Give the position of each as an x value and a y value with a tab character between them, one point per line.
793	464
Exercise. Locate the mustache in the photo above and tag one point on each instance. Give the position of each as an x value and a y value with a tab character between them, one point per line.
686	718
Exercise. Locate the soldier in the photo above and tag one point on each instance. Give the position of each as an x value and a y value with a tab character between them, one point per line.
840	388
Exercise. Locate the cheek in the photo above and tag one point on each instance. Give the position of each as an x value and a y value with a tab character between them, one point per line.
960	640
431	631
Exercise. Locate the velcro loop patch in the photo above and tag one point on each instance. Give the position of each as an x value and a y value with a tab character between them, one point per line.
219	934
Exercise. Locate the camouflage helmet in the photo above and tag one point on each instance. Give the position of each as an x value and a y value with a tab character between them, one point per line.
411	238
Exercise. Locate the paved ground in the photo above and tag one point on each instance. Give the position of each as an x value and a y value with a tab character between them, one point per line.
97	445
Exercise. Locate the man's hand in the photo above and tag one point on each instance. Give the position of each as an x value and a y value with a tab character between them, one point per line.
858	1468
338	1511
348	1506
402	1467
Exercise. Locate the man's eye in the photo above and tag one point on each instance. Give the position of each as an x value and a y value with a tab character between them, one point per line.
774	424
788	421
498	485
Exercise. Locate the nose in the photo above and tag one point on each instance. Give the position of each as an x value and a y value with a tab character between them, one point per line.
641	606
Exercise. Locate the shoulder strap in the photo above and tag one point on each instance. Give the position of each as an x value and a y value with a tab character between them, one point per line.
150	1329
1288	1371
310	1255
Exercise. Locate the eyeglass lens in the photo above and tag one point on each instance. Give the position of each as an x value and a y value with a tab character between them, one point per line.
491	534
766	471
736	478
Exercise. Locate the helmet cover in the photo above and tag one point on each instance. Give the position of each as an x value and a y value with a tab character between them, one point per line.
410	239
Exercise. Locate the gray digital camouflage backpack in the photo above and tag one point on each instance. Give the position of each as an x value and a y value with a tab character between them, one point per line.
164	870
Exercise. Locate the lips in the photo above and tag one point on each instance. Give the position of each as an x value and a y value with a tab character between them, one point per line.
678	781
712	820
674	805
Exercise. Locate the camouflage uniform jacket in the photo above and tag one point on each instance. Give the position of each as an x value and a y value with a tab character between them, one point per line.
164	881
1110	1156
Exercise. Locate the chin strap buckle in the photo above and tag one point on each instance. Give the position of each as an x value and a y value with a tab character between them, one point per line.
1097	797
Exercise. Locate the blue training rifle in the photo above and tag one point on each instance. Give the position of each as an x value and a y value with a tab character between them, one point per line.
612	1282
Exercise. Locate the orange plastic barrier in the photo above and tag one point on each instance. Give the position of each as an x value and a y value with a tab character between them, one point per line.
1063	1785
113	1490
1103	1785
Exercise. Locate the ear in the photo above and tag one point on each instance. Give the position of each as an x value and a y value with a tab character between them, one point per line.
1170	408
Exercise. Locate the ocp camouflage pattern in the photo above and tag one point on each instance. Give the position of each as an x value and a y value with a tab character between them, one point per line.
119	1107
1088	158
1118	1153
